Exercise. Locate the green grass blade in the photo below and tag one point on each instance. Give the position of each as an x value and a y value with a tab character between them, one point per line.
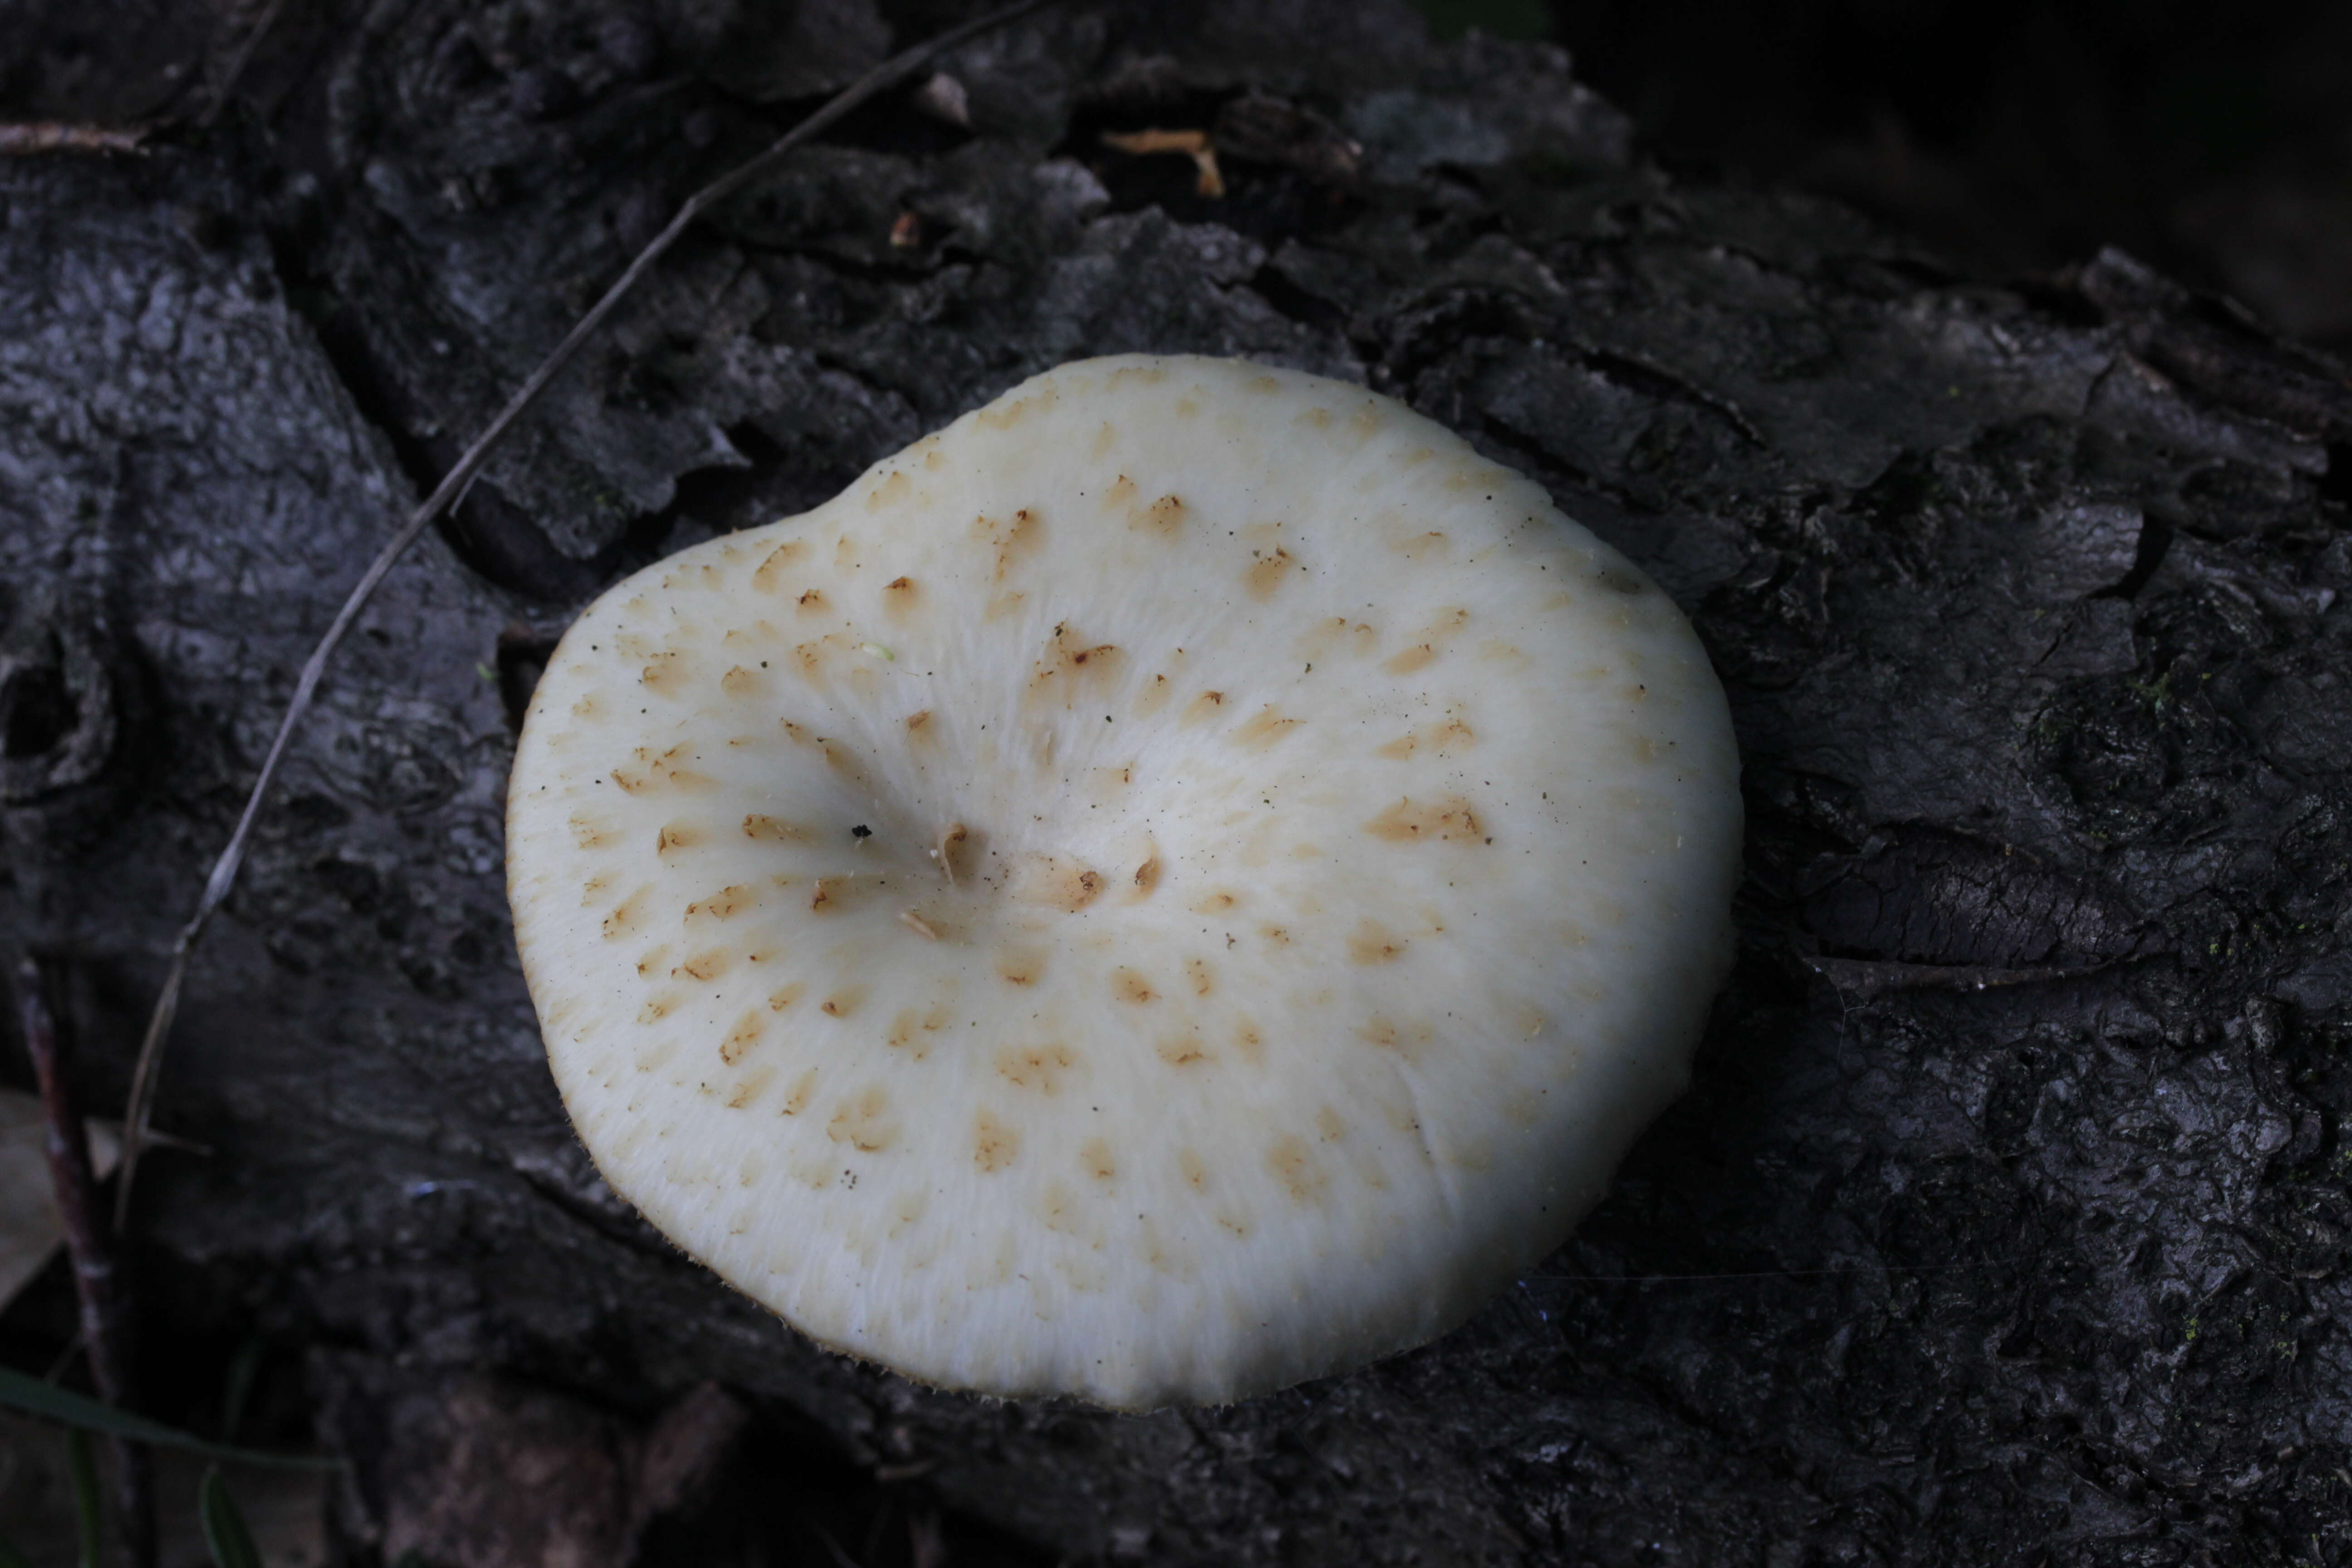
84	1465
225	1532
237	1390
34	1397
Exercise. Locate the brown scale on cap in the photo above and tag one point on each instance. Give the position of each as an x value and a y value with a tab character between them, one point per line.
843	761
1040	1068
1424	646
1007	413
741	1038
625	916
1441	819
1060	883
1145	880
1264	728
667	673
1184	1048
1153	696
1108	784
677	837
1410	1039
769	577
1095	1155
863	1122
1444	739
1023	965
726	903
912	1027
647	772
1269	573
1296	1167
1163	518
1015	541
706	965
1075	669
995	1143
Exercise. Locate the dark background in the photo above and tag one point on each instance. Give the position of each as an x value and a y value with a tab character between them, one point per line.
2212	140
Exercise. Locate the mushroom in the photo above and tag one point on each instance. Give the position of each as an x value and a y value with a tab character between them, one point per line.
1186	880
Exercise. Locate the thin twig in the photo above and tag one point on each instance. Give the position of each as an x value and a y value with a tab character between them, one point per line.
105	1312
841	1559
238	62
1854	1271
225	869
56	136
65	1358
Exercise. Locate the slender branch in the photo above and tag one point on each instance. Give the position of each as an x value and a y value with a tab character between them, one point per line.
105	1309
58	136
225	869
238	61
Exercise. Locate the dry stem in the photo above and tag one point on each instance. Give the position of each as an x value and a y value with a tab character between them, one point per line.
238	61
56	136
105	1309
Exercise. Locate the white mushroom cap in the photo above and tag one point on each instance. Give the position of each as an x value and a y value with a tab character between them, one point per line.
1187	880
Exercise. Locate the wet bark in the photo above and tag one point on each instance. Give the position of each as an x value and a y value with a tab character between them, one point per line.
2006	1213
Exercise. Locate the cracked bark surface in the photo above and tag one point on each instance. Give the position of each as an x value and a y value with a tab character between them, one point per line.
2007	1213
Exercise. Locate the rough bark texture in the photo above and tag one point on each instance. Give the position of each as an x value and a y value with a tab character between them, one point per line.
2007	1215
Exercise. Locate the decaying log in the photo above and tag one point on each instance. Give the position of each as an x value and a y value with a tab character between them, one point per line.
2006	1213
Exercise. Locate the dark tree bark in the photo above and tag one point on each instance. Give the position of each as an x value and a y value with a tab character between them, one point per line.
2006	1214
